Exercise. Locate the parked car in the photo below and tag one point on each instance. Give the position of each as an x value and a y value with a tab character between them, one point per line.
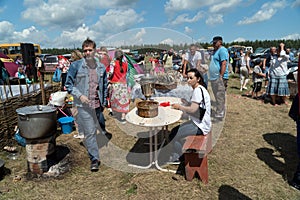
67	56
260	53
50	63
43	56
259	49
248	49
292	67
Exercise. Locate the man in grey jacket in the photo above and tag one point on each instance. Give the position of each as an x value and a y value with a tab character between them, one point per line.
87	82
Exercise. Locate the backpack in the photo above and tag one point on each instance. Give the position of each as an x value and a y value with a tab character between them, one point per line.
5	74
57	75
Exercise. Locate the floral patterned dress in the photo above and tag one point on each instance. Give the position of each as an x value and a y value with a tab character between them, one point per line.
120	94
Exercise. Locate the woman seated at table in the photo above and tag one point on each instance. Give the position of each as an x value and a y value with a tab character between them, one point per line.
198	124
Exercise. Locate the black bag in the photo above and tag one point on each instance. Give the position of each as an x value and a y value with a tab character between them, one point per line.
201	110
294	110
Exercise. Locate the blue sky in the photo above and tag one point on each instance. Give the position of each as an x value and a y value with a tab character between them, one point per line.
65	24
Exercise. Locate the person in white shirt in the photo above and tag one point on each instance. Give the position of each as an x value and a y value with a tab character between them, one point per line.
278	84
199	123
244	70
192	60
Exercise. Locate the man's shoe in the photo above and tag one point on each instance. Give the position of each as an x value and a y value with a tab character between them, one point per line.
95	165
219	116
295	185
295	182
107	134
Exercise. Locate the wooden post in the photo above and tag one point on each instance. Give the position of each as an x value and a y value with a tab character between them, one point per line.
42	88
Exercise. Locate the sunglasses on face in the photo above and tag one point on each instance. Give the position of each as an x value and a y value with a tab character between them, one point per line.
88	50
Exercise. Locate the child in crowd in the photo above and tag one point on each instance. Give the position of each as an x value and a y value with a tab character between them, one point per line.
257	78
21	75
156	66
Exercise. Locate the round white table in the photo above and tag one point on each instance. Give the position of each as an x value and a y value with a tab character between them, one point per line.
165	117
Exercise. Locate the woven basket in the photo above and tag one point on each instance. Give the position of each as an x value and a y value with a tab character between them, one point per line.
161	86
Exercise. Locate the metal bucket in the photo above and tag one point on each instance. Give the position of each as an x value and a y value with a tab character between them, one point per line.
37	121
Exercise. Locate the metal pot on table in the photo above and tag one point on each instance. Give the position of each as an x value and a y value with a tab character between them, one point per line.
147	83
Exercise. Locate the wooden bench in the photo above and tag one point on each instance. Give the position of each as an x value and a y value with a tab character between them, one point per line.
195	150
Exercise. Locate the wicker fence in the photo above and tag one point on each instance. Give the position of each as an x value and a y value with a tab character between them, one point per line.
8	115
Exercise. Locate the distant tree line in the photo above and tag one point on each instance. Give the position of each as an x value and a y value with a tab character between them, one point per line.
158	47
56	51
267	43
255	44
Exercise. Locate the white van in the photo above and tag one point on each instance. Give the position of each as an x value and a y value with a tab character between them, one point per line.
248	49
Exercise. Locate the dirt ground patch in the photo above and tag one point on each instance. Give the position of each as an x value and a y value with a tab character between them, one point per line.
253	158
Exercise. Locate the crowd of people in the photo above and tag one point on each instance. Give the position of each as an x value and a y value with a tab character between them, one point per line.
97	82
267	76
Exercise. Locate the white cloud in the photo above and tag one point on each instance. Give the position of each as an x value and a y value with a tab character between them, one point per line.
26	32
220	7
267	11
69	39
104	4
294	36
96	4
214	20
55	15
172	6
239	39
188	30
296	3
113	21
6	29
168	41
138	37
183	18
66	14
117	20
31	34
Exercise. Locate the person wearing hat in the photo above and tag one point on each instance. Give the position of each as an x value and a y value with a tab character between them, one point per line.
168	60
200	121
218	74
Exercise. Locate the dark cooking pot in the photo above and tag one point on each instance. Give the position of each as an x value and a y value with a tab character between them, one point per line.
37	121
